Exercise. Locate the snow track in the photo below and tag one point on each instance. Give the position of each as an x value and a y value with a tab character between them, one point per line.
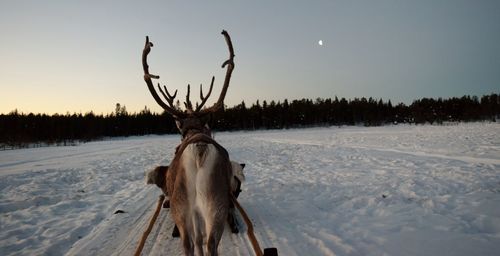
396	190
120	235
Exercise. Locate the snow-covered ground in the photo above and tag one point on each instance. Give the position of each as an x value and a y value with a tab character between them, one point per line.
395	190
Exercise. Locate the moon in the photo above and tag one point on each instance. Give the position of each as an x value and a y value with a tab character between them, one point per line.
320	42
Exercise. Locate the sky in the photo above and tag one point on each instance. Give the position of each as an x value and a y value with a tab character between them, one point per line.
81	56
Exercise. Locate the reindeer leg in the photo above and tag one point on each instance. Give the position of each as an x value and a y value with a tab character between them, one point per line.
233	224
198	224
231	218
175	232
215	231
188	246
166	204
212	243
187	242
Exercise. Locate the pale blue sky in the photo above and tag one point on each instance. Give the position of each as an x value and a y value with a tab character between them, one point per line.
77	56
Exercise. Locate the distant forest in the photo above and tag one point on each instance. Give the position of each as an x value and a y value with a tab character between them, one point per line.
20	129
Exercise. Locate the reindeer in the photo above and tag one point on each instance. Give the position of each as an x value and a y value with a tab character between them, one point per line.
158	174
198	179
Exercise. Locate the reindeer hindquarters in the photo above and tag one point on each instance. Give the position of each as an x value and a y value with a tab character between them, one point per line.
181	210
212	195
202	205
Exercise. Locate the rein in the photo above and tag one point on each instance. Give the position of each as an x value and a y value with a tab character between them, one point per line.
250	233
248	222
145	235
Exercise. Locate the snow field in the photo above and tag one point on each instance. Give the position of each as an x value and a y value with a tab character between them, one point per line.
400	190
394	190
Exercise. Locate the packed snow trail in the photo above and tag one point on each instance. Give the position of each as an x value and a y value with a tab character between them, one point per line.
394	190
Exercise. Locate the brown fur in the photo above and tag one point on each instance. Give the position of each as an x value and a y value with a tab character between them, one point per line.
217	198
158	175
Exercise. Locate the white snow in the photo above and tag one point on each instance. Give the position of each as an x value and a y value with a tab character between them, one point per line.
394	190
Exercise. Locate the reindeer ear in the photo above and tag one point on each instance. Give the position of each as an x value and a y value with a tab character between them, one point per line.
179	124
163	170
242	166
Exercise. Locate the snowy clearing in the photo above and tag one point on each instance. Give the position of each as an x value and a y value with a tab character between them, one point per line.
395	190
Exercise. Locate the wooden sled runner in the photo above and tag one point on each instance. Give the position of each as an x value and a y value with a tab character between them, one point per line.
256	247
272	251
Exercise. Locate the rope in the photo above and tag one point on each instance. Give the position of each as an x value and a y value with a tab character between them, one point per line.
250	233
150	227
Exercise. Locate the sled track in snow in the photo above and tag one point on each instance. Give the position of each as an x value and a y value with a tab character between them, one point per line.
160	242
122	233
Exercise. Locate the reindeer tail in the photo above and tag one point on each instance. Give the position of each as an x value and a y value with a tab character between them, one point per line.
201	153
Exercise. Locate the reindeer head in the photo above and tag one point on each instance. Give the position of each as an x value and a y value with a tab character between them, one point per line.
191	120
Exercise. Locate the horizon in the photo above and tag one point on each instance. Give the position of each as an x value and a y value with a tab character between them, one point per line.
246	104
74	57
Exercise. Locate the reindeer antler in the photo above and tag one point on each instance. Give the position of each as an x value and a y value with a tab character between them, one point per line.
170	108
204	99
166	95
230	66
147	78
189	105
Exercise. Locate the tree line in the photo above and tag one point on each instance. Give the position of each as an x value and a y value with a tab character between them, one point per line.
19	129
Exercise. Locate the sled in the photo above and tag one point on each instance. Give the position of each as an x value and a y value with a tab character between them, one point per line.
271	251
